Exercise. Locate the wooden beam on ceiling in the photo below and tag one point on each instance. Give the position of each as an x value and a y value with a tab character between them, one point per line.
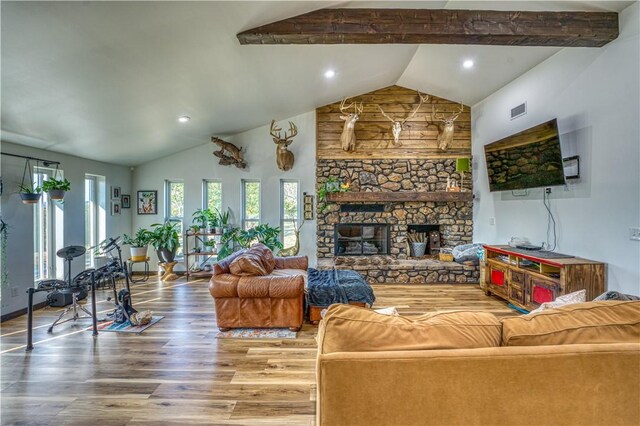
439	26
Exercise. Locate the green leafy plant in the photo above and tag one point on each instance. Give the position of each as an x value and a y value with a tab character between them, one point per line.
140	239
330	186
265	234
224	218
202	217
29	190
52	184
165	236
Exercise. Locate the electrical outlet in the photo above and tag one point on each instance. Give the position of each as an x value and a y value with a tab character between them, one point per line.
547	190
634	234
492	221
14	292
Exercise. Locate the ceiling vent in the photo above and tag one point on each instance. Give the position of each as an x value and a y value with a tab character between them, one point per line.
519	111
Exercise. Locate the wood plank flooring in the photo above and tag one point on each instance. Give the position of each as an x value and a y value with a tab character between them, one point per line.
177	372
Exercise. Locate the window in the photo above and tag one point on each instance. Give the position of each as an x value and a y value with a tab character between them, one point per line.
212	195
94	214
174	206
289	208
250	203
48	231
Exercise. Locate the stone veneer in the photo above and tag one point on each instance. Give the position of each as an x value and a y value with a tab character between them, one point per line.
454	218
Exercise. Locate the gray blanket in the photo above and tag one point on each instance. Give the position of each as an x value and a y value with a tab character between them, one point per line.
325	287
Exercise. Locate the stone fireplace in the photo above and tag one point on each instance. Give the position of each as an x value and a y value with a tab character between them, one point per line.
372	238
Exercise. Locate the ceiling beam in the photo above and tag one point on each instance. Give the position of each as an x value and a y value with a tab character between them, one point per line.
439	26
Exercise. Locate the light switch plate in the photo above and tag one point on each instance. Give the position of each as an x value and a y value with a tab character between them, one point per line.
634	234
492	221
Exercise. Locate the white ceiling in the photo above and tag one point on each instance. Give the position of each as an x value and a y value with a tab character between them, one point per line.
107	80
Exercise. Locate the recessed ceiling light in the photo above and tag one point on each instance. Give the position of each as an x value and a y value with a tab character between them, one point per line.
329	73
184	118
468	63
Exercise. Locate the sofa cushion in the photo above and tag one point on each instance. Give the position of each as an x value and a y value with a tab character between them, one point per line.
258	260
591	322
347	328
271	286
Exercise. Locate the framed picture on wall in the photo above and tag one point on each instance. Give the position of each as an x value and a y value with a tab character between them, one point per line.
126	201
147	202
115	208
308	206
115	192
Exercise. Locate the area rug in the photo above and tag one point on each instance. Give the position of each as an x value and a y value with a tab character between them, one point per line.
126	327
257	333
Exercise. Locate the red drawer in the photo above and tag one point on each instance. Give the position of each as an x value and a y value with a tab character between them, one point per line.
541	295
497	277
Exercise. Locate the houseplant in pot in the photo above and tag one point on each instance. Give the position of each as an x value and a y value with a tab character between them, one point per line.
223	219
165	239
202	218
30	195
139	243
56	188
214	224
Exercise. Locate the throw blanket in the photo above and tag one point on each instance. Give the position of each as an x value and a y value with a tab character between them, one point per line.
337	286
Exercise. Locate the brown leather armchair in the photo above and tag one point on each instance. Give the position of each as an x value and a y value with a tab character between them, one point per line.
269	301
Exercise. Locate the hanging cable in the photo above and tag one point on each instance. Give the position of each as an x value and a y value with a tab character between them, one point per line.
550	220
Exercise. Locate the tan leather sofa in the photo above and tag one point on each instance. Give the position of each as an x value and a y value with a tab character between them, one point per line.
428	380
274	300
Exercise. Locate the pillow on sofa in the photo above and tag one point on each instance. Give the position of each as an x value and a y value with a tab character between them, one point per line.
591	322
347	328
579	296
258	260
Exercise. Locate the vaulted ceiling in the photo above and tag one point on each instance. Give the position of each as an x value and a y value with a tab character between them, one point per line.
107	80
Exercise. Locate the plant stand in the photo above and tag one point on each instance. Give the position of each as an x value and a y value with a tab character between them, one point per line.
168	275
145	274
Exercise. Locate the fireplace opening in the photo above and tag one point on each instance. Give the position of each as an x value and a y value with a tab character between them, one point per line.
361	239
430	234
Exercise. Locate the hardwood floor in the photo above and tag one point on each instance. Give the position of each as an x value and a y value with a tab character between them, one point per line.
177	372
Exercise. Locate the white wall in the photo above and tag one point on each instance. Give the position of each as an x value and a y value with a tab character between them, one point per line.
594	93
19	216
195	164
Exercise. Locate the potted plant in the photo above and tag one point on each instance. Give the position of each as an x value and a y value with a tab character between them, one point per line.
138	243
165	239
332	185
211	245
202	218
214	223
29	194
223	218
56	188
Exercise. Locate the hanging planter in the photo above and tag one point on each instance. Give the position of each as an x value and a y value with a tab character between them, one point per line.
29	194
56	188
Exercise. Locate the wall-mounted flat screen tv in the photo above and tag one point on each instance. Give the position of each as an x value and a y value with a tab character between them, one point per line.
528	159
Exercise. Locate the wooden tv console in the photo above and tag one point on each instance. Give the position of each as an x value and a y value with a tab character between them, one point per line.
527	281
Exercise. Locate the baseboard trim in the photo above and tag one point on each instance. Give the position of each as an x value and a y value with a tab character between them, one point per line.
21	312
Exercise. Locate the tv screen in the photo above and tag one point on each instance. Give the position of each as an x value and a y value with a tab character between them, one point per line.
528	159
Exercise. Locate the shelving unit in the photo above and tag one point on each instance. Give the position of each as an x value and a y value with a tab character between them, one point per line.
198	257
527	281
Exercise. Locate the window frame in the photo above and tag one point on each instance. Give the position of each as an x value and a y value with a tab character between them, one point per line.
244	200
296	221
53	220
167	211
98	199
205	192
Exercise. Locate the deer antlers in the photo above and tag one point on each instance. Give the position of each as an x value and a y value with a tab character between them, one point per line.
356	109
396	128
277	138
446	119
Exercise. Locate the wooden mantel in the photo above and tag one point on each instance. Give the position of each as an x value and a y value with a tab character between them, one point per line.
398	197
439	26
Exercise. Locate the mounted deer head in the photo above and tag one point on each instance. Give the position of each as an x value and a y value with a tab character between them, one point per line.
397	126
284	157
348	137
445	136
